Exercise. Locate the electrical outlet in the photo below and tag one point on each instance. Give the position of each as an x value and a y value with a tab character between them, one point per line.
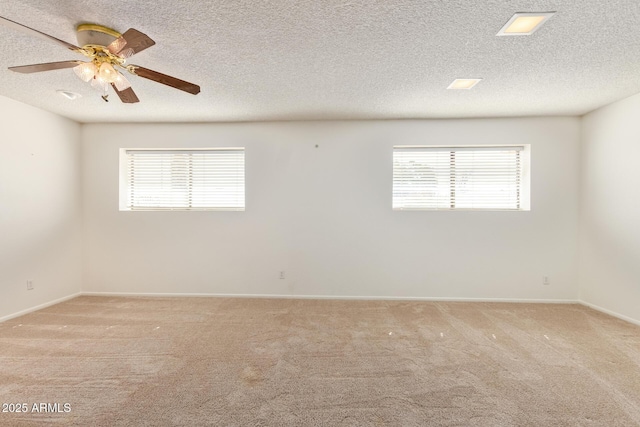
29	285
546	281
282	275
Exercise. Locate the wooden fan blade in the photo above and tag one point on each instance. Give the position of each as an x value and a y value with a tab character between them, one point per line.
166	80
36	68
128	96
31	31
130	43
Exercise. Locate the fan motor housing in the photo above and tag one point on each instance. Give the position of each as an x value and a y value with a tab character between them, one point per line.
94	34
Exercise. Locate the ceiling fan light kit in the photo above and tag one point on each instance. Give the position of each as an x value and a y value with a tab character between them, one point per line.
108	51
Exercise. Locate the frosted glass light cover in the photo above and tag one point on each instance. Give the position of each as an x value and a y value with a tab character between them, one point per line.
107	72
121	82
100	84
86	71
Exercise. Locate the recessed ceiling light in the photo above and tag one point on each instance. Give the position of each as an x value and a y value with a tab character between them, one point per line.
69	95
463	83
524	24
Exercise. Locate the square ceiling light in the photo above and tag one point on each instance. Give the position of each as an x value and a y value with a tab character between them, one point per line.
524	24
464	83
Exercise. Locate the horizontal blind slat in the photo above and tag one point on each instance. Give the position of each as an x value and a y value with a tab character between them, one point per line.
486	177
186	179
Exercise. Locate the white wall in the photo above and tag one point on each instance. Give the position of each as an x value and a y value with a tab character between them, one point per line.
40	222
323	215
610	208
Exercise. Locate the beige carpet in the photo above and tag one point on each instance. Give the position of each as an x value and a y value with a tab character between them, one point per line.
259	362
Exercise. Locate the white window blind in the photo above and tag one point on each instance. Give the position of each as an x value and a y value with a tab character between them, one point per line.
185	179
458	177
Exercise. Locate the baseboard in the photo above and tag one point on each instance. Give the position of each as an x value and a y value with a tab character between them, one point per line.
324	297
39	307
610	313
331	297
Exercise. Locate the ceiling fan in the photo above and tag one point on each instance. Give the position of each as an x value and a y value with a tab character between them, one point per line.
108	51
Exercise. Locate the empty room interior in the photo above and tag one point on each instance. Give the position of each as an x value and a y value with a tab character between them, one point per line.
327	213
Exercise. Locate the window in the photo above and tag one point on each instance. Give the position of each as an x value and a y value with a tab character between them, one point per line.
464	177
203	179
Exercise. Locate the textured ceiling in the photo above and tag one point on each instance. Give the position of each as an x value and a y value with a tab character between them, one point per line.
330	59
